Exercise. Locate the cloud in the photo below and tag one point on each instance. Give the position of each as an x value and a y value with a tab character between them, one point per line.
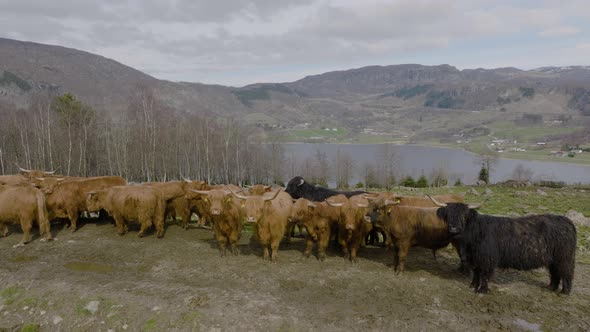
242	41
560	31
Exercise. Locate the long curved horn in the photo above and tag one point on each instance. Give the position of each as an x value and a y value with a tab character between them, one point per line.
201	192
362	205
22	169
267	187
477	206
333	204
273	197
53	172
248	186
237	195
388	202
437	203
186	180
310	204
301	183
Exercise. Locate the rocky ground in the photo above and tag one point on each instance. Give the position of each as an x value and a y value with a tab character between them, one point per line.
94	280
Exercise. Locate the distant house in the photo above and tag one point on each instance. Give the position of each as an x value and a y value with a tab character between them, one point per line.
541	143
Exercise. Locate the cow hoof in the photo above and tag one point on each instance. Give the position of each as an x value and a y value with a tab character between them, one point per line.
322	258
43	240
483	291
18	245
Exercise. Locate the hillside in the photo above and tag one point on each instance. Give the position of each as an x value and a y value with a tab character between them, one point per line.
375	103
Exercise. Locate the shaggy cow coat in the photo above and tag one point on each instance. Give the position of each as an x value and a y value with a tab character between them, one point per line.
523	243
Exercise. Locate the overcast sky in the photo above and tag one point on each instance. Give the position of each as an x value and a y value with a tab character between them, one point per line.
238	42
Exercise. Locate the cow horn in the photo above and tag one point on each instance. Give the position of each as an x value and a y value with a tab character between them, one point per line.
22	169
310	204
40	179
186	180
477	206
301	183
274	196
388	202
60	179
334	204
267	187
201	192
437	203
53	172
235	194
369	197
362	205
248	186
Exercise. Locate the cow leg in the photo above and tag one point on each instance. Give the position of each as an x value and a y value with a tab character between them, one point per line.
290	231
222	241
26	226
3	230
567	283
186	218
476	279
395	257
233	240
463	268
566	273
73	220
555	278
323	242
404	247
265	252
274	246
144	225
120	223
485	277
308	246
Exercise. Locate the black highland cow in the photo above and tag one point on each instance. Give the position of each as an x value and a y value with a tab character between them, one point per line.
298	188
523	243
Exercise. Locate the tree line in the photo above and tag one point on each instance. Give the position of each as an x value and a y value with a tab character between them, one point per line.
149	141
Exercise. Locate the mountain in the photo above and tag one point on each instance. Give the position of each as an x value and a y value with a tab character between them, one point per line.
404	98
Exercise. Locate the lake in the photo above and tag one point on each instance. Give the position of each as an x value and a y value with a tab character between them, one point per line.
416	160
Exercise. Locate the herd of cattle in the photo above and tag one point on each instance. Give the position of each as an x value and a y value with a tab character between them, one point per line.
482	242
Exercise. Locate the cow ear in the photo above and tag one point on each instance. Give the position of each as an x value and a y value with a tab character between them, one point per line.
441	213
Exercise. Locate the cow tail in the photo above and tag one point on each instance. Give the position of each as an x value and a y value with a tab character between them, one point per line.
42	216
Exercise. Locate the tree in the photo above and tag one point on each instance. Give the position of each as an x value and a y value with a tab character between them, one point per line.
422	182
488	161
344	168
408	181
522	174
484	175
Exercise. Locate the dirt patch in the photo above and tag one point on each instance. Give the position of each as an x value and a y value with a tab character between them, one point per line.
96	280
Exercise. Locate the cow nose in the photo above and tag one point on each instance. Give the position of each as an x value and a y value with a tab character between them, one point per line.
215	212
251	219
349	226
453	230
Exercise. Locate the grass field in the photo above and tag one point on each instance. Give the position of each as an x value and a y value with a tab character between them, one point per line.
94	280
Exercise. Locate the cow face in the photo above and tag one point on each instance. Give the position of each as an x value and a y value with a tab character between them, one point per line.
457	215
218	201
49	184
93	201
259	190
379	209
296	186
253	208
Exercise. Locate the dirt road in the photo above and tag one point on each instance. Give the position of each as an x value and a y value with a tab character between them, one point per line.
94	280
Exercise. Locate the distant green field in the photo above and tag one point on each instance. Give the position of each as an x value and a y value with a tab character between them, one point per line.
306	134
529	134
